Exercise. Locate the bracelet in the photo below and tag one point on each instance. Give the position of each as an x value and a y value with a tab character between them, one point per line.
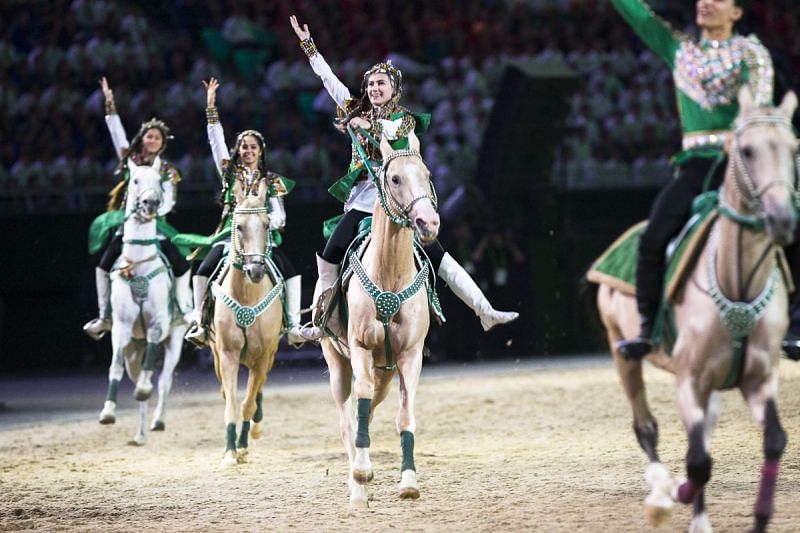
212	115
110	108
309	47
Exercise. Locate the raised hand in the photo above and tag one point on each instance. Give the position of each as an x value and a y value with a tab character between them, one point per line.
303	33
107	92
211	91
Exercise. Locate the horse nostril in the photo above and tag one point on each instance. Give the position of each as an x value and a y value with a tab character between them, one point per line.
421	224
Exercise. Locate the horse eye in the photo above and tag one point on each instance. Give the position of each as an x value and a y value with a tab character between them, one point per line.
747	152
239	227
396	179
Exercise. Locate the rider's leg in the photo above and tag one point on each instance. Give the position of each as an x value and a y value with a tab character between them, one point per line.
98	327
669	213
791	343
293	296
197	333
463	286
180	269
328	268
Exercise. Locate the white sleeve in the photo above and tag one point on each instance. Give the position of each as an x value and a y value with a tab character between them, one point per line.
168	200
219	150
390	127
335	88
277	214
118	136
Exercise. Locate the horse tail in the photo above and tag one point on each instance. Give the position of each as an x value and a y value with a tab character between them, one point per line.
587	293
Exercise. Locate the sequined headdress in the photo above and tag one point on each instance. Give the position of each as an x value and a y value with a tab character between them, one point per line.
153	123
395	77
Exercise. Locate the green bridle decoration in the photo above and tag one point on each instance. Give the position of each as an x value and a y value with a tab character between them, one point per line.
387	303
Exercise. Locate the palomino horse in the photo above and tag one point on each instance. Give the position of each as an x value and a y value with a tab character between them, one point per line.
142	316
247	326
377	340
739	263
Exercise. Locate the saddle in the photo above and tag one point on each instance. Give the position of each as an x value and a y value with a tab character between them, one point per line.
333	318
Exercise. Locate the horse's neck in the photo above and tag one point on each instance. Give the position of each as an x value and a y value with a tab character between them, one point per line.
392	250
740	251
242	290
140	231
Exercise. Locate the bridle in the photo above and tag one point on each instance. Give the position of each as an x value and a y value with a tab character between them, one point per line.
396	212
138	208
746	188
238	256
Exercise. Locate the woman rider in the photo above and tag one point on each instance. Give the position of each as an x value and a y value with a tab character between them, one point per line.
145	149
248	166
708	75
379	112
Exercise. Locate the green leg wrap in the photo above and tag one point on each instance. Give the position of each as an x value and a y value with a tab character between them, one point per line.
243	435
150	355
259	414
362	434
112	391
231	434
407	445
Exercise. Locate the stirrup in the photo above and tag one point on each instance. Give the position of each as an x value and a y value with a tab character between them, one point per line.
635	349
97	328
197	335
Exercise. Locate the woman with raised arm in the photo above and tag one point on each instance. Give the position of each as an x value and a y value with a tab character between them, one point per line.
145	149
378	112
708	74
248	165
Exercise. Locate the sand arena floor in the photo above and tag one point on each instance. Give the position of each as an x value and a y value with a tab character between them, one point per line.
523	450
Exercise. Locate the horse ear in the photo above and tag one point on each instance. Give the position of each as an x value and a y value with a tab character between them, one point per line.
132	166
746	102
789	104
386	148
263	191
413	141
238	191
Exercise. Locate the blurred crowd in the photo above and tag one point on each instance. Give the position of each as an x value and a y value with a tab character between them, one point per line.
621	130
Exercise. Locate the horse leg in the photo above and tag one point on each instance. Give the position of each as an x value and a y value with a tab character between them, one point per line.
115	371
255	380
409	366
256	430
761	400
657	504
700	521
228	375
140	439
694	410
364	388
144	384
172	354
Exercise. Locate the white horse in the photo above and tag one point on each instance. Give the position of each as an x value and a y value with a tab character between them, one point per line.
143	324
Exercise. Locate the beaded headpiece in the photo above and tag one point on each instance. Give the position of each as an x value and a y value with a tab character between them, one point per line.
151	124
395	76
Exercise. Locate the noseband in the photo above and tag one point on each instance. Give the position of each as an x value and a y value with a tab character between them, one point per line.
238	255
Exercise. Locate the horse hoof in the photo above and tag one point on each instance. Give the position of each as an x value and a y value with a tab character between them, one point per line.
359	503
158	425
408	485
142	394
363	476
138	440
241	455
256	431
657	516
107	418
229	460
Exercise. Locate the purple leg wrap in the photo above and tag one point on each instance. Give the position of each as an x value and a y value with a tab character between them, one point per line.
688	491
766	491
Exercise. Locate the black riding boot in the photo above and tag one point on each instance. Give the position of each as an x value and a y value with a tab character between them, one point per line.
791	342
649	276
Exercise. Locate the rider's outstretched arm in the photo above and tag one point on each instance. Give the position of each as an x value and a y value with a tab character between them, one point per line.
113	122
216	135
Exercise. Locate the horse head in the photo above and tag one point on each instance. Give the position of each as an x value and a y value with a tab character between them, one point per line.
144	195
764	161
250	237
406	190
